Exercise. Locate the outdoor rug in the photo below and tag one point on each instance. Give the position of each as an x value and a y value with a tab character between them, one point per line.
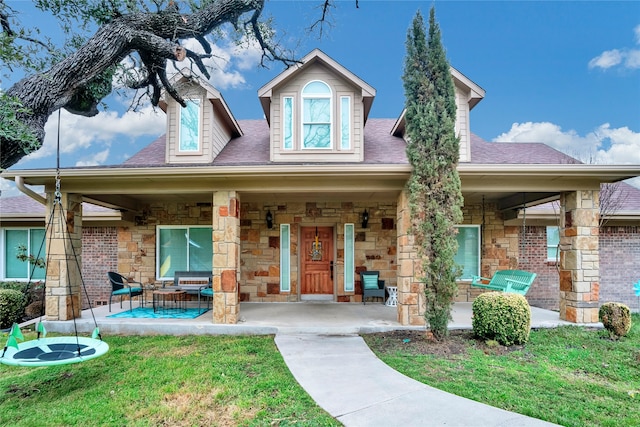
147	313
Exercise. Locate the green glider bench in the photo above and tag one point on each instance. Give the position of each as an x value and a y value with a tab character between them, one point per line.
514	281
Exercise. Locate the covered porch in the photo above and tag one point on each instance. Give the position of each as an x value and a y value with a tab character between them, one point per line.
324	318
247	252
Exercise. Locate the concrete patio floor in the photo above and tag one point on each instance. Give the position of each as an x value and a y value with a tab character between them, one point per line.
278	318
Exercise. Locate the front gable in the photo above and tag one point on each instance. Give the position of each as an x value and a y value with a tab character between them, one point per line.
467	96
316	112
197	133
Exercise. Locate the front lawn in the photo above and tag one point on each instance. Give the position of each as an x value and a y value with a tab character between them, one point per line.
172	381
570	375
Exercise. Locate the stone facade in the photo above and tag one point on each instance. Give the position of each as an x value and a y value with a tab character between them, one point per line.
375	246
579	256
226	256
385	245
137	243
500	247
64	258
411	303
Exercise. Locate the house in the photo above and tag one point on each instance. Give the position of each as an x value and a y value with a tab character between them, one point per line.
275	208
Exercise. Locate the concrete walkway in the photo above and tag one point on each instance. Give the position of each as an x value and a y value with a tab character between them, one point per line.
347	380
321	347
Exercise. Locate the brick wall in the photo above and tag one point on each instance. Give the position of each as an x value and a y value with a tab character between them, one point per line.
619	264
545	290
99	256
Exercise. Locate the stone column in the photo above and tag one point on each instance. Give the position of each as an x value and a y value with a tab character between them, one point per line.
411	305
64	262
226	256
579	256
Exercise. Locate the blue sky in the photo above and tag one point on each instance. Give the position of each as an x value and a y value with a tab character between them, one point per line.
563	73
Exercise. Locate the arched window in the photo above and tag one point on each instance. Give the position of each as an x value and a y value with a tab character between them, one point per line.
316	116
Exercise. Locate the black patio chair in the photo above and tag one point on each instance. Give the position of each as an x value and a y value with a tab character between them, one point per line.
121	286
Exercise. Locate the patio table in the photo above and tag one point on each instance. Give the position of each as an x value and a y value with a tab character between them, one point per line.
168	300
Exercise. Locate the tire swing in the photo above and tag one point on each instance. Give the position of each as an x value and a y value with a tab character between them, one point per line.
63	350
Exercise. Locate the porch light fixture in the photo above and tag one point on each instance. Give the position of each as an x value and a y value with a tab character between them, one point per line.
365	218
269	219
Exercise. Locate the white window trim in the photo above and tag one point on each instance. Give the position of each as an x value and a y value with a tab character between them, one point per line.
174	227
349	119
478	227
3	253
200	104
293	121
557	257
331	123
349	259
285	258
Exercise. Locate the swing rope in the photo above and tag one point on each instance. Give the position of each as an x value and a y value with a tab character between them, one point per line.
64	225
55	351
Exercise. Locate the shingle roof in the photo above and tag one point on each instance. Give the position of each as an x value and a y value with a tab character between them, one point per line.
252	148
483	152
20	204
151	155
27	205
380	148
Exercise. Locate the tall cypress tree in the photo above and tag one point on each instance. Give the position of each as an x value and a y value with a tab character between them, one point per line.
435	197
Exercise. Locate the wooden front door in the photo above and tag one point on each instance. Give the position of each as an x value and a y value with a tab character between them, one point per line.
316	273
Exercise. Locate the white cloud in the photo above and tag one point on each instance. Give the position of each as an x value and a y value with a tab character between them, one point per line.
95	159
568	142
632	60
248	54
623	147
227	61
79	133
626	57
606	59
604	145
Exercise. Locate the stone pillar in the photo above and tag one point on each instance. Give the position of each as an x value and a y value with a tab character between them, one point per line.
579	256
411	305
226	256
64	262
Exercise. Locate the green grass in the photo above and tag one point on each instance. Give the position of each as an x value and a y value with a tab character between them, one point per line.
570	375
172	381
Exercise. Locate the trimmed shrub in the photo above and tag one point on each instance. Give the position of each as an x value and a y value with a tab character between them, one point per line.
11	307
16	286
503	317
33	293
616	318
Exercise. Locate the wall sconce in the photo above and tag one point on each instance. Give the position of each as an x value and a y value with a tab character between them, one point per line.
365	218
269	219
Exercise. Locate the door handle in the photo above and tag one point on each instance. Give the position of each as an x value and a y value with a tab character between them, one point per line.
331	268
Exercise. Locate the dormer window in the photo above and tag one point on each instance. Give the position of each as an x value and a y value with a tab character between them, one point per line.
189	130
320	118
316	116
